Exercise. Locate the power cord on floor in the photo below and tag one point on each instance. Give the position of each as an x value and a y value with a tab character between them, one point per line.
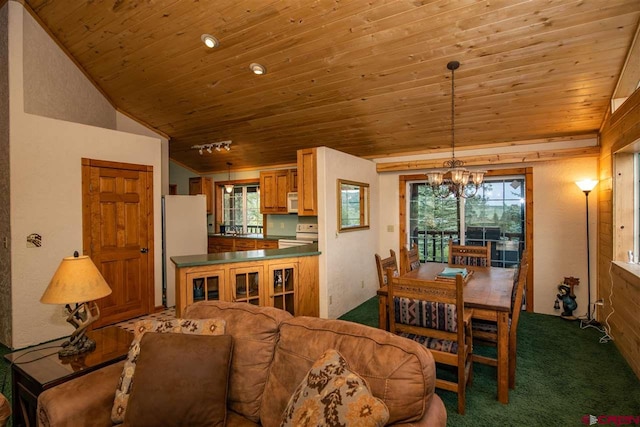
606	328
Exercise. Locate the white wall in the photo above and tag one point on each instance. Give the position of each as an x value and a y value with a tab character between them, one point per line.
46	195
347	268
126	124
559	227
560	235
179	176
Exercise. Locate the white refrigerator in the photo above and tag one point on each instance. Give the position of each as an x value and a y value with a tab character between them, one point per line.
184	232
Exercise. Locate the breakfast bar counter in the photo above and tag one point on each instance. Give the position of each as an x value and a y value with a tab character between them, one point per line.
283	278
244	256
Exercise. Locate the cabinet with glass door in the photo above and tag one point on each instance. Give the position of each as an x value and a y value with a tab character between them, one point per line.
283	280
246	284
205	286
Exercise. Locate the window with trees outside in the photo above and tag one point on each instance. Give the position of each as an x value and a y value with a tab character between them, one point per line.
241	209
495	214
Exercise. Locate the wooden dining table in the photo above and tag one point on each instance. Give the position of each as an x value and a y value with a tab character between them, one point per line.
488	293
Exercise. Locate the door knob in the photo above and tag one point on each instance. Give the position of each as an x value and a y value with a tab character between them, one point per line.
144	250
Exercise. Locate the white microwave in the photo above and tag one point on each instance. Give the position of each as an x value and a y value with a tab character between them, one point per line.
292	202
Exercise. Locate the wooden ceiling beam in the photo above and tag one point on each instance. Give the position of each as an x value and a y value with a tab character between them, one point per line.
493	159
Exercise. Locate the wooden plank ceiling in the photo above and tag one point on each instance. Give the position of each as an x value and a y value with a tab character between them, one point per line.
367	77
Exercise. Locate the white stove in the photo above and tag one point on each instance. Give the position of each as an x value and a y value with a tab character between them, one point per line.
305	235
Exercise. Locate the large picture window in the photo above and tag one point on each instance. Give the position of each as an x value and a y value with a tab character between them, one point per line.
495	214
241	210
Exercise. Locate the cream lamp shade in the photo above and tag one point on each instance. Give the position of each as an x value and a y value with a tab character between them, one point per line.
76	280
587	184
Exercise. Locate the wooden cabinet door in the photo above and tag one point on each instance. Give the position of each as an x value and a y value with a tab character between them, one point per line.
205	286
307	182
246	284
243	244
202	185
282	188
268	203
218	244
266	244
282	281
274	186
293	180
118	235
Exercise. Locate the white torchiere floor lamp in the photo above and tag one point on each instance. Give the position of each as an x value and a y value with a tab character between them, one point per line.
586	186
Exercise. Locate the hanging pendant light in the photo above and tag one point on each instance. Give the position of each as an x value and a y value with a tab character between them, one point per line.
228	188
457	180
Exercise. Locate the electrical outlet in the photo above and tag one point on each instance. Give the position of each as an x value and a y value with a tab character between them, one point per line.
282	225
390	228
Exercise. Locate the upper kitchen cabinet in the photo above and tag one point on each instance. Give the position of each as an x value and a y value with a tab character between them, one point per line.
293	180
202	185
274	186
307	182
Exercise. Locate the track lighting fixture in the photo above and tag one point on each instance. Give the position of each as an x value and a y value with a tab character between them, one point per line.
218	146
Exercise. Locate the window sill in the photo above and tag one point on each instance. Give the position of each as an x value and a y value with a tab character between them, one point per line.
629	272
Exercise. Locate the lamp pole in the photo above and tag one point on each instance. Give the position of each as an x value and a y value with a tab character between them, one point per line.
586	198
586	186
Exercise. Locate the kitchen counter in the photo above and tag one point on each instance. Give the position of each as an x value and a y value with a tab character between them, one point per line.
252	236
244	256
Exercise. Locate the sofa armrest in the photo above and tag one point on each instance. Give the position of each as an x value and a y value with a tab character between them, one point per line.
434	416
83	401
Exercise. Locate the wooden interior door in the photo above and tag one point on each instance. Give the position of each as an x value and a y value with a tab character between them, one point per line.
118	235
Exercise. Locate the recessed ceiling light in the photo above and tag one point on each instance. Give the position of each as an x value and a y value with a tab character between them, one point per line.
209	41
257	69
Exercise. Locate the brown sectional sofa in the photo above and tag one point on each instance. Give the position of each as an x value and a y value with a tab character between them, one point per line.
272	353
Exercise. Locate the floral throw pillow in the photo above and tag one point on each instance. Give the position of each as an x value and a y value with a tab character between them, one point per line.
176	326
332	395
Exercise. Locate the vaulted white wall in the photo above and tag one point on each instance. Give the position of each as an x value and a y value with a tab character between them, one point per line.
45	183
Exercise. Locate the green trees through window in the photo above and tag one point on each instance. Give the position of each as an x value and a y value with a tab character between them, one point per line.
241	209
495	214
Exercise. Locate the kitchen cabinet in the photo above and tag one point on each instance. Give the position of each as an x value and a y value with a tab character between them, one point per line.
288	283
274	186
246	284
202	185
244	244
218	244
266	244
293	180
204	286
307	182
281	286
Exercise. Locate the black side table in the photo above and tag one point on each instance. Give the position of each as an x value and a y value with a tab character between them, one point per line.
38	368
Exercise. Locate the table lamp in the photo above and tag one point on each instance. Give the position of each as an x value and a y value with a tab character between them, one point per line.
77	281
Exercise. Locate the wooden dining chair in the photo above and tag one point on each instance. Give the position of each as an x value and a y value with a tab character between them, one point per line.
487	331
410	258
470	255
382	264
432	313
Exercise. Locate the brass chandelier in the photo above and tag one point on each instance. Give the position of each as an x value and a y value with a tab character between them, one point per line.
456	180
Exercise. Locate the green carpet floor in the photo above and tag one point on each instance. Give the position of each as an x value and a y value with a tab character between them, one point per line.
563	373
